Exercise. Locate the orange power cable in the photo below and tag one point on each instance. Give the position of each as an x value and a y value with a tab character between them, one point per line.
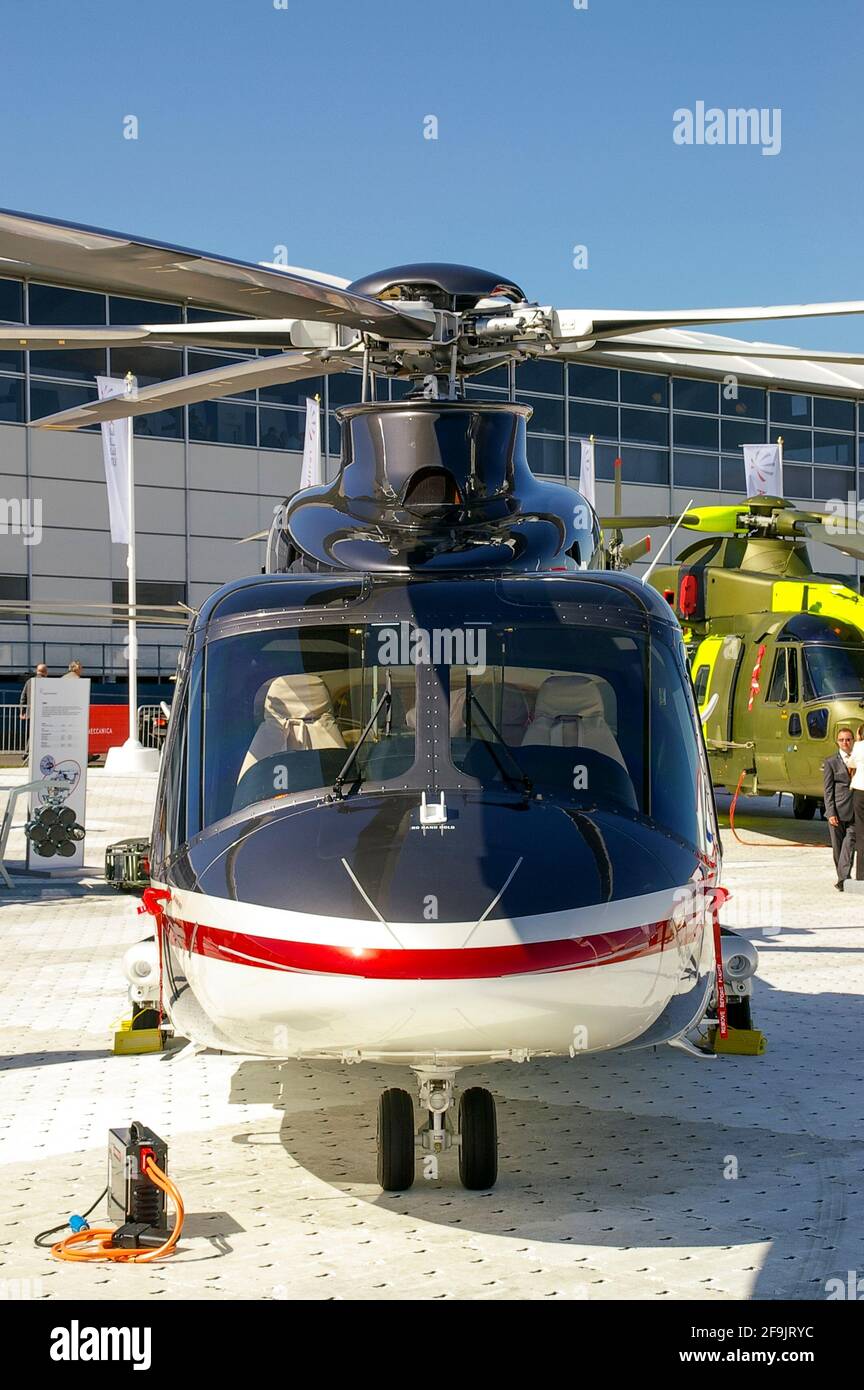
803	844
95	1244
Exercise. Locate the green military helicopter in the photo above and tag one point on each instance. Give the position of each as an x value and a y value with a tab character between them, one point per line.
776	650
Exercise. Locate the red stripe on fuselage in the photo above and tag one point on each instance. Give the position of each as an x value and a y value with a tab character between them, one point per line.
464	963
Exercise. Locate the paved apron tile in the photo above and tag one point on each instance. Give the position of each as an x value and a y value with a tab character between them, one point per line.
618	1173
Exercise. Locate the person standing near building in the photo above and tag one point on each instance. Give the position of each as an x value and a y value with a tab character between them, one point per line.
27	693
25	705
839	805
74	669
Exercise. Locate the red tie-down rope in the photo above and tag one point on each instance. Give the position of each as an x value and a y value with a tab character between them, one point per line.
798	844
718	897
754	679
151	903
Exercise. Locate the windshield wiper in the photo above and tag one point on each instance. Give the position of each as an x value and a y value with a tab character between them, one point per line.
520	778
386	699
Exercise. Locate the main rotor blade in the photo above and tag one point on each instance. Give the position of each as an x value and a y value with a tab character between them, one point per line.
218	333
632	523
115	608
599	324
153	615
847	542
768	350
320	276
617	492
631	553
710	519
200	386
96	259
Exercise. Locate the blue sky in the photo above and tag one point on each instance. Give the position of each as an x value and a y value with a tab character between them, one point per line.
303	126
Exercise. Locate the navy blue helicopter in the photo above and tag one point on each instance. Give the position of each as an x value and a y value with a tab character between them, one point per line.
434	791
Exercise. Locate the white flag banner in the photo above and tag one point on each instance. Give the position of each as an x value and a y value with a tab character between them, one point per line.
115	453
587	481
312	474
763	467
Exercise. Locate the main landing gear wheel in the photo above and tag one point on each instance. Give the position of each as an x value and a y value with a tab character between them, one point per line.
804	807
395	1140
478	1139
738	1012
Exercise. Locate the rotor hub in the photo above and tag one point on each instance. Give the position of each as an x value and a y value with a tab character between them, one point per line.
457	288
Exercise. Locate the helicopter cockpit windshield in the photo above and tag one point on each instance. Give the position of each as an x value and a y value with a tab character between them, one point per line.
579	715
298	700
833	656
832	672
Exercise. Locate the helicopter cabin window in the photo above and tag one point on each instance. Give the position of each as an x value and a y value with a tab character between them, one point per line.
285	708
784	678
172	823
777	690
677	770
700	684
792	675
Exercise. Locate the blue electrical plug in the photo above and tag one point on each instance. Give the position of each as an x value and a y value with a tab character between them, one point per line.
78	1223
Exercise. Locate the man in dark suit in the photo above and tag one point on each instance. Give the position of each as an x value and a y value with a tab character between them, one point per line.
838	806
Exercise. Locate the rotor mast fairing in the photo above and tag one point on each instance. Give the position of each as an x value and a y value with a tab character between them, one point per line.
441	486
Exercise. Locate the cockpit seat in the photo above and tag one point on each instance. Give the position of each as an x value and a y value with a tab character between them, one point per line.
513	710
507	707
569	712
298	714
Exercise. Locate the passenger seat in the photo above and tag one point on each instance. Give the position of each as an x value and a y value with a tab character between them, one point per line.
569	713
298	714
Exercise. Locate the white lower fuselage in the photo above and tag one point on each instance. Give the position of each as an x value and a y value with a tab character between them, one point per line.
279	983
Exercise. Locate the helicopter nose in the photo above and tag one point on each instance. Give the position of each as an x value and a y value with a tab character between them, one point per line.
377	857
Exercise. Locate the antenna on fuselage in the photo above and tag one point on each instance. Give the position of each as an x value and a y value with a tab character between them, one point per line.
653	565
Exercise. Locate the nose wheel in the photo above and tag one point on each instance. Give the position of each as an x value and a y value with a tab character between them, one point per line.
395	1140
476	1138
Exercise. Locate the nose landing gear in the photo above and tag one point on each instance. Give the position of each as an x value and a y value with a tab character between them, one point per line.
476	1139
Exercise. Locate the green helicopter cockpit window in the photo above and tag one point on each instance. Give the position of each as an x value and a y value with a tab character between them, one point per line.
833	671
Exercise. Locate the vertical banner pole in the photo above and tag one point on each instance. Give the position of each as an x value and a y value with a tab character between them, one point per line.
587	473
131	757
132	580
311	474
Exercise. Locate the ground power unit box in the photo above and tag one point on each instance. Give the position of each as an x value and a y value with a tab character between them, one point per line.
134	1201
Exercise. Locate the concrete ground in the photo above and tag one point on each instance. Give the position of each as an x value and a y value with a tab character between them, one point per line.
646	1176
